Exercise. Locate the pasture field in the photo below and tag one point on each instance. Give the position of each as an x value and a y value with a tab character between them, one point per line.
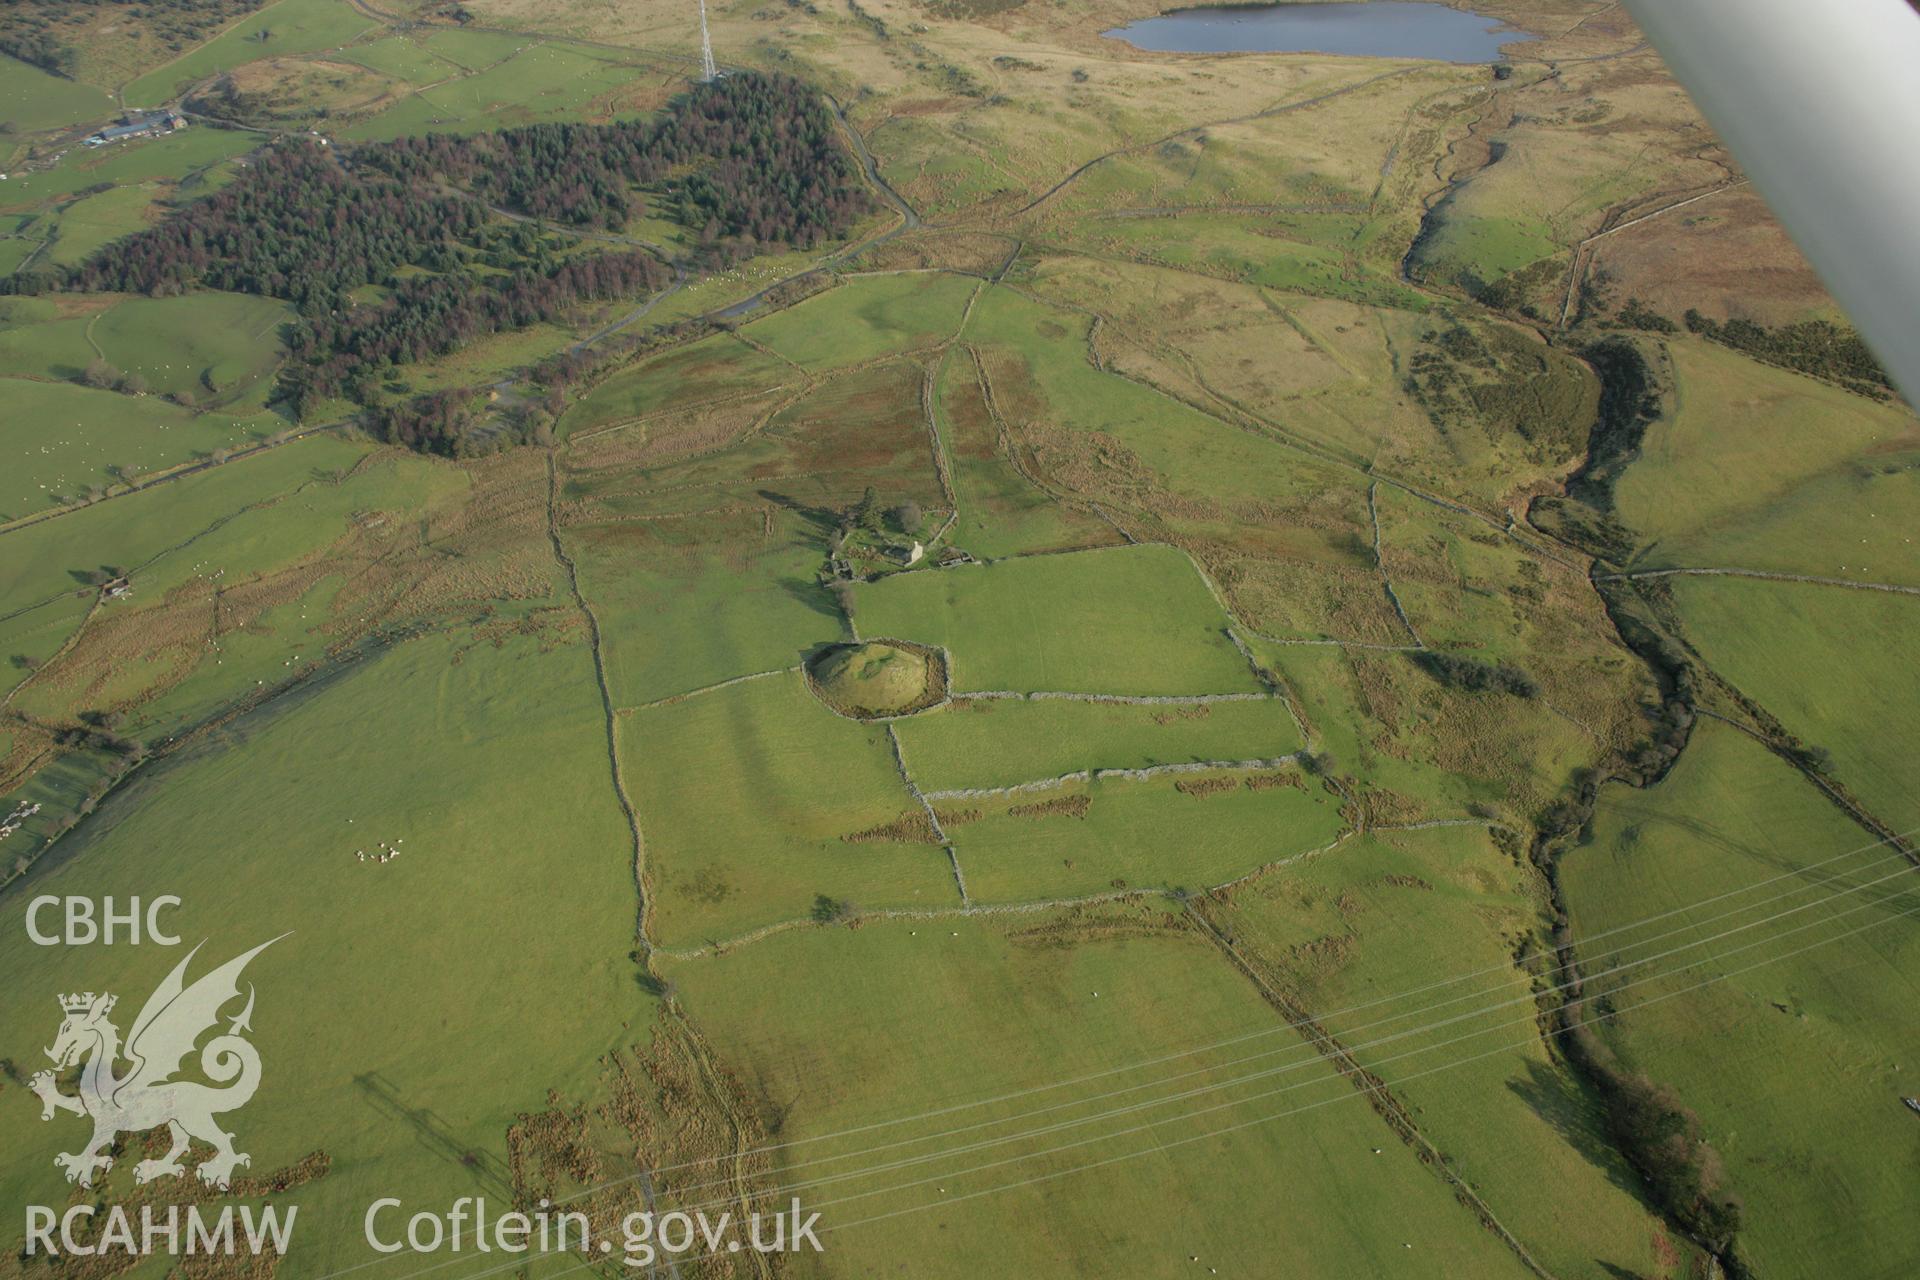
1211	922
43	338
1242	251
18	250
154	526
1322	367
748	826
212	347
184	160
413	59
91	222
67	440
277	30
1002	509
847	1054
808	447
1419	751
1128	620
32	99
356	1017
253	599
1119	439
1760	468
1180	832
690	603
867	318
1405	939
711	369
533	83
999	742
1801	1091
1778	642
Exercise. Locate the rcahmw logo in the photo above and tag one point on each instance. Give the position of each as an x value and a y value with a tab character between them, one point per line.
147	1094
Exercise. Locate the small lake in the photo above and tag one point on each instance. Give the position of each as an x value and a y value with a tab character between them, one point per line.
1377	29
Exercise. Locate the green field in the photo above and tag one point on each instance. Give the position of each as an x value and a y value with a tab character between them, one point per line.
867	318
388	1026
1801	1092
1001	742
284	27
1132	620
1173	869
212	347
1406	912
67	440
1758	468
185	157
96	220
207	349
1183	832
682	612
1777	642
1002	511
536	82
703	371
857	1053
32	99
745	827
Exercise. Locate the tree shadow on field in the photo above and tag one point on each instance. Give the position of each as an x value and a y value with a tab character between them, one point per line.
813	595
1575	1115
822	520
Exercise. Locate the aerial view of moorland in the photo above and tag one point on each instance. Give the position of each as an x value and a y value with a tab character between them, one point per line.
1013	638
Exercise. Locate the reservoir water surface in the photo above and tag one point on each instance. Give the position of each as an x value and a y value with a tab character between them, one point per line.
1379	28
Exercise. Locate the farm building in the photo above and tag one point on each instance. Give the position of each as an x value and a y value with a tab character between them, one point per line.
139	124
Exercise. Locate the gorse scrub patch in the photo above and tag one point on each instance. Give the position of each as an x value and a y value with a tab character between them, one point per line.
1816	348
1474	676
1507	385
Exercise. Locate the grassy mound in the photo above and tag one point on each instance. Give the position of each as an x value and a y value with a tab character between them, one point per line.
878	678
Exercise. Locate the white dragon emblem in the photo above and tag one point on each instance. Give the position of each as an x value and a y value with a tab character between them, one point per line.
146	1096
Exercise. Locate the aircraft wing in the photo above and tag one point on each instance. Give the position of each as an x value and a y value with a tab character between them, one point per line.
1819	100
